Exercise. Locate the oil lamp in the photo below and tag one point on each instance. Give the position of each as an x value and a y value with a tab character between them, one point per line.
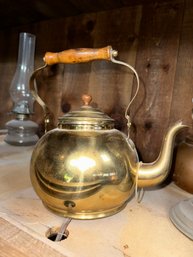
181	216
181	213
21	130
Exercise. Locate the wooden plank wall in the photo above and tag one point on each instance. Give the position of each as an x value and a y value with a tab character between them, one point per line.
156	62
155	38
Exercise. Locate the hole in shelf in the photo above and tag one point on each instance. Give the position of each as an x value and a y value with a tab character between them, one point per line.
52	233
53	236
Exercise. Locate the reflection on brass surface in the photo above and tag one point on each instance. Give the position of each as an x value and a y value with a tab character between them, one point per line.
90	168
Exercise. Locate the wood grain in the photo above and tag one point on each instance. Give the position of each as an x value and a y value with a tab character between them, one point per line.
181	105
16	243
111	84
38	10
156	64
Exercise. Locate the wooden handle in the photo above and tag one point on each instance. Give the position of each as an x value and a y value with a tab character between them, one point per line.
79	55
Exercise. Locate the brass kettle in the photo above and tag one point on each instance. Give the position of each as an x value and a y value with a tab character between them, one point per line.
85	168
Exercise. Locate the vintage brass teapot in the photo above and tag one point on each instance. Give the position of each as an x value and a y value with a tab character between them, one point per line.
85	168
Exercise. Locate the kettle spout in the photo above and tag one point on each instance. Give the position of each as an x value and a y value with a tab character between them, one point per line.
151	174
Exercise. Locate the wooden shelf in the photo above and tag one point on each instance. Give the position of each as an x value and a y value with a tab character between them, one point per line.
13	14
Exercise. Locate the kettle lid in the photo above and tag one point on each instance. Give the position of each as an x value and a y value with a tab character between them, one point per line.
87	117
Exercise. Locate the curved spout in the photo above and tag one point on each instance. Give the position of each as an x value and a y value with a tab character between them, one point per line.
151	174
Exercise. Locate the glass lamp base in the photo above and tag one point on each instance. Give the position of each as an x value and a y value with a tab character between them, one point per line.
21	132
182	218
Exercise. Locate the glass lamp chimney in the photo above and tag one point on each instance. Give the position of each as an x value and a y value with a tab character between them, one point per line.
19	90
21	130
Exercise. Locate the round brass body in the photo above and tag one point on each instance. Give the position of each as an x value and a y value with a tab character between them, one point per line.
183	166
84	174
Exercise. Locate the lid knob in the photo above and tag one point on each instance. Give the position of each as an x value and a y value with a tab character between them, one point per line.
86	99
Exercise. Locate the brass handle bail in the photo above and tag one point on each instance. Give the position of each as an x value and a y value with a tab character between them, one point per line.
79	55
